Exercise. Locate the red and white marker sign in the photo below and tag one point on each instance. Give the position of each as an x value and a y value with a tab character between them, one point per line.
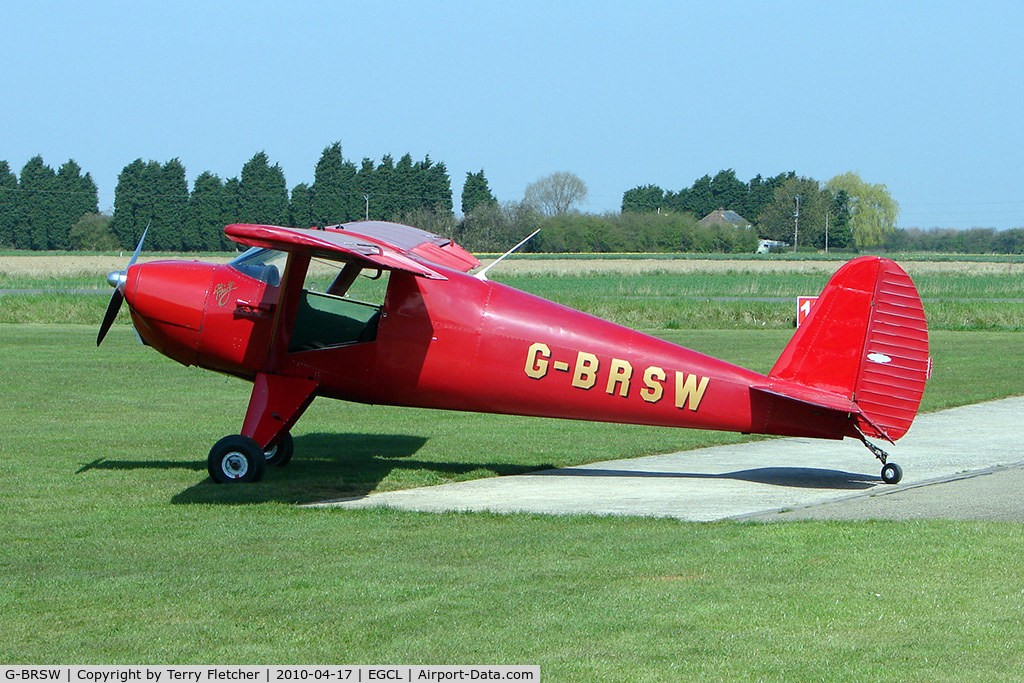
804	304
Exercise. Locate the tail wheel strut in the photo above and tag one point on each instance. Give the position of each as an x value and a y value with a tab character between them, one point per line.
891	472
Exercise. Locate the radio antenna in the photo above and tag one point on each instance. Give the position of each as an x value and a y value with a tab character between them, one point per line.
482	275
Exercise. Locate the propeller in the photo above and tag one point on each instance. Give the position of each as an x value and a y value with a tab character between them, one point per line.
117	280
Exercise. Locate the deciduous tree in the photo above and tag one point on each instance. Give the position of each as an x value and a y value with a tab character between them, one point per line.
556	194
91	232
491	227
779	221
873	211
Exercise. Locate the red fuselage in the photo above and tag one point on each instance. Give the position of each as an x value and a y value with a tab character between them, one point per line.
462	344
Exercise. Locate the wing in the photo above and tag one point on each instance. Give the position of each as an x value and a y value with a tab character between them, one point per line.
390	246
419	243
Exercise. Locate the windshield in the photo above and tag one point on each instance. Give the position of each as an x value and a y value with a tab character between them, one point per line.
262	264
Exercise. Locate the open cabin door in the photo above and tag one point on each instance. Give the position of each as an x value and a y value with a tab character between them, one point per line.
340	304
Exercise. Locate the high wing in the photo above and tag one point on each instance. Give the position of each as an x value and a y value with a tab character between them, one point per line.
378	245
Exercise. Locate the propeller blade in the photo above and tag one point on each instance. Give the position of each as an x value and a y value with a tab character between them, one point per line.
117	280
108	318
138	249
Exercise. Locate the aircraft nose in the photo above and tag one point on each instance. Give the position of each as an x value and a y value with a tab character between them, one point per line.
117	278
167	299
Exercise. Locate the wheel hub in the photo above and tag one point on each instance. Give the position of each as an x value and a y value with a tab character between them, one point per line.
234	465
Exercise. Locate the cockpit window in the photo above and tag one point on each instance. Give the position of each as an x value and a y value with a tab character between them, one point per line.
265	265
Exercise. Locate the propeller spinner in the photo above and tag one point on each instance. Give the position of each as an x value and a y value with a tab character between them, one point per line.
117	279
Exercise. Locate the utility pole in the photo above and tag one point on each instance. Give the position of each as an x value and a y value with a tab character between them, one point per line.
796	224
826	231
367	198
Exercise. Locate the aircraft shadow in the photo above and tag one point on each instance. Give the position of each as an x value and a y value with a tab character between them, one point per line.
348	466
797	477
334	466
105	464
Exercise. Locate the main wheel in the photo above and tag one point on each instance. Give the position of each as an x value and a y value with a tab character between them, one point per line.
892	473
236	458
280	453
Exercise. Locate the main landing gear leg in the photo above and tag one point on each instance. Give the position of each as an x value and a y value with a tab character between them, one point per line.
891	472
276	403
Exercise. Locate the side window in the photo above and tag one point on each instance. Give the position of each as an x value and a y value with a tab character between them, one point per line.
265	265
340	305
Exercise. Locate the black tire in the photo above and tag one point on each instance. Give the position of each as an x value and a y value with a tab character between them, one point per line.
280	453
236	459
892	473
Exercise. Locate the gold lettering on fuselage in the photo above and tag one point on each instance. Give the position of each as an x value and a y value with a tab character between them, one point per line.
653	390
537	360
689	388
222	291
618	376
585	375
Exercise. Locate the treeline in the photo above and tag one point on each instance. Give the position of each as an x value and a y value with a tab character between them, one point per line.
783	207
723	191
43	209
158	195
493	227
632	232
38	210
950	241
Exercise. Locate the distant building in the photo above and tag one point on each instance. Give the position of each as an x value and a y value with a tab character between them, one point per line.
724	217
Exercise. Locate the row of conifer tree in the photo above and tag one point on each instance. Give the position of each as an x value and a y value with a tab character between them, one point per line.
47	209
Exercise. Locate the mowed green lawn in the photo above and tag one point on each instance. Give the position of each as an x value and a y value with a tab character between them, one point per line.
118	549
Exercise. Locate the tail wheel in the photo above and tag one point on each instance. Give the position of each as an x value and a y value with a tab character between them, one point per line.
892	473
280	453
236	458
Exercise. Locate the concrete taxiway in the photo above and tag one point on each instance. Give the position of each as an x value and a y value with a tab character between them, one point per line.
963	463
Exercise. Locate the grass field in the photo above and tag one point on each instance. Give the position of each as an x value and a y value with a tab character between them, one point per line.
650	293
118	549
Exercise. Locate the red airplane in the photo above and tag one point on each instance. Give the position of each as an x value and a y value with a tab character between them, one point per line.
439	337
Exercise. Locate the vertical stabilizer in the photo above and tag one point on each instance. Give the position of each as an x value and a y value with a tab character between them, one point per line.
866	340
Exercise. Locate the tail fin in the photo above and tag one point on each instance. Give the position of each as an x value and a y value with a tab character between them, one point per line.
866	340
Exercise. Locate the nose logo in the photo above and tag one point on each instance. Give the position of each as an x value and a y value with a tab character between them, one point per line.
222	291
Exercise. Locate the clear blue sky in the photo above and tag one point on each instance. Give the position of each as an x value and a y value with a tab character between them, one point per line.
925	97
